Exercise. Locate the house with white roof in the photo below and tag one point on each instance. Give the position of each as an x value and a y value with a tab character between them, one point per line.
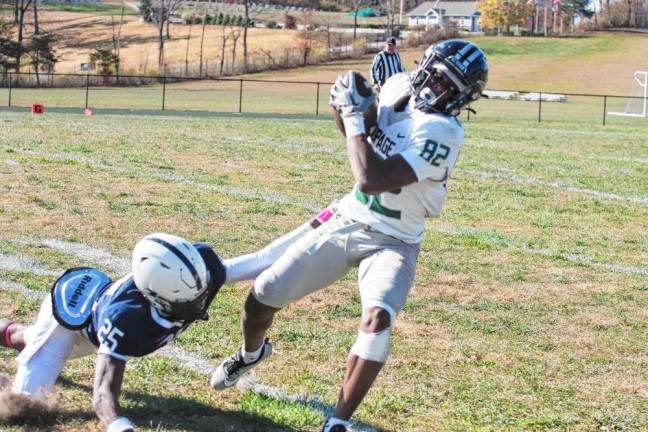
463	14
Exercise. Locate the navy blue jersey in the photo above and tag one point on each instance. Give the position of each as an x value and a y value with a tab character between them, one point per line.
125	324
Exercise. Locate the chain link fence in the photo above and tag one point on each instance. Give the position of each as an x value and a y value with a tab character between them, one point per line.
231	95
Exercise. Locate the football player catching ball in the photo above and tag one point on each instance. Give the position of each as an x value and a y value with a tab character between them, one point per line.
401	173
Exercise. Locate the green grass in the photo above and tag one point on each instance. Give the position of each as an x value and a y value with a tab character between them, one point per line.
523	316
89	8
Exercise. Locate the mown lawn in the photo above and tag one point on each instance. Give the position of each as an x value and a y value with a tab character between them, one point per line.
529	308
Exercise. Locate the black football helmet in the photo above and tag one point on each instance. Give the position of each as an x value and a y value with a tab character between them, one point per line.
449	76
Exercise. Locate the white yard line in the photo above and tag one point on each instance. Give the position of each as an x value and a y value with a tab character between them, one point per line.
536	150
88	253
278	198
607	196
268	196
574	258
23	264
121	265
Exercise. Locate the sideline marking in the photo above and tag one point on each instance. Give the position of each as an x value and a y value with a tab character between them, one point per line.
573	258
268	196
23	264
278	198
554	184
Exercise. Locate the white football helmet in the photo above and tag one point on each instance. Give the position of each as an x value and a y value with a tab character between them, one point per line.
172	275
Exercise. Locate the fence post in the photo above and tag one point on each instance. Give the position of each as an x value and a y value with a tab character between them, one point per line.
10	78
163	91
317	100
87	89
240	96
604	108
539	107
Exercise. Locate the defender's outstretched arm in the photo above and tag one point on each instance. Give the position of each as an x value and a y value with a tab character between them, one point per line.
109	375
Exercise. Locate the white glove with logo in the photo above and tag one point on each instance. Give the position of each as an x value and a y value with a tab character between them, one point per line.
351	96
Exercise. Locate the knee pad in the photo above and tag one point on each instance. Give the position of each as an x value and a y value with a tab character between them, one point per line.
372	346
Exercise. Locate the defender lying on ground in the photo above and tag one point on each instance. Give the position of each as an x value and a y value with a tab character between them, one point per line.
171	285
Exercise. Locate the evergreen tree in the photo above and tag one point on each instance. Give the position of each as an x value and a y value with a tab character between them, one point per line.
105	60
41	52
146	10
8	47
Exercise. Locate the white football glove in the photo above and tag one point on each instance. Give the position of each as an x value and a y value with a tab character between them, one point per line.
351	94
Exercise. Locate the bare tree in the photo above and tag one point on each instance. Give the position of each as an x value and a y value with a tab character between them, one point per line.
247	20
306	37
186	71
23	5
389	5
116	39
161	11
202	40
36	28
235	34
224	38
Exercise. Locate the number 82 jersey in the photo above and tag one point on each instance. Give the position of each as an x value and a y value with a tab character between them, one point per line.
430	144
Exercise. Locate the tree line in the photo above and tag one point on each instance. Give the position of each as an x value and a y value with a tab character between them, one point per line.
35	50
554	16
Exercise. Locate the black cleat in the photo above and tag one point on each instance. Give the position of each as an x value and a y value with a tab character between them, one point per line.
233	367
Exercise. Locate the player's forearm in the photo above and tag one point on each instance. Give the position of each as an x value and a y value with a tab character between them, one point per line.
107	386
106	406
366	166
373	174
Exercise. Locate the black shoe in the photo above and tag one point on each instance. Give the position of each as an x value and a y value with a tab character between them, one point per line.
233	368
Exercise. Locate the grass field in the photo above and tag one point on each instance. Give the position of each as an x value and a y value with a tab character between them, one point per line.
90	8
528	311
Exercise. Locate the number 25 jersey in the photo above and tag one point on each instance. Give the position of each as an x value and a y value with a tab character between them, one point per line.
430	144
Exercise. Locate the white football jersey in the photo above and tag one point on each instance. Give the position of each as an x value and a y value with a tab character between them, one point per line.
430	144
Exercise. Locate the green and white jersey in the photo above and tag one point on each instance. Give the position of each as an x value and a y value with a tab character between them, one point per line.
430	144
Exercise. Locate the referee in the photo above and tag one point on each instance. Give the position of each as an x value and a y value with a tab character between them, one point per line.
386	63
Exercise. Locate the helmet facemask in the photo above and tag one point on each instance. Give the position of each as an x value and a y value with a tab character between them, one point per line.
450	76
438	87
190	310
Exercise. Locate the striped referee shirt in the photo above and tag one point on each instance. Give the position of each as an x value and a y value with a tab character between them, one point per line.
385	65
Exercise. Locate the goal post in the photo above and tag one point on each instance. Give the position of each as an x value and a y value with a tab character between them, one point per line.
637	105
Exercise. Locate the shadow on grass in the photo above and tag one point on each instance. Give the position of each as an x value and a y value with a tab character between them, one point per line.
157	412
174	412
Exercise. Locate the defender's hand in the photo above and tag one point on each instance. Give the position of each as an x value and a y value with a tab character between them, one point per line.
351	94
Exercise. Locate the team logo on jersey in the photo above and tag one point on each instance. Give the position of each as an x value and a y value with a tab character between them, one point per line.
74	293
383	143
